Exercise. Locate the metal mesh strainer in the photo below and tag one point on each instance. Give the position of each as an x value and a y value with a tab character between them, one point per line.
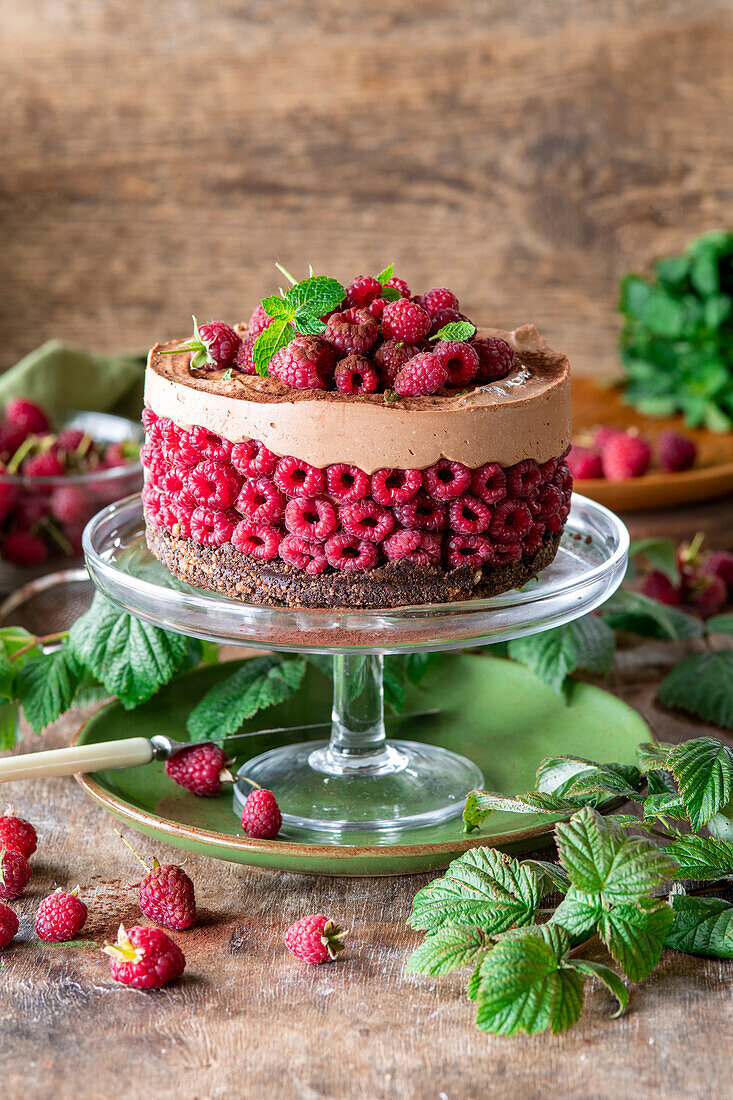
50	603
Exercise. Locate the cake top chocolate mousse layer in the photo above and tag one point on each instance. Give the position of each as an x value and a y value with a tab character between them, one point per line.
525	415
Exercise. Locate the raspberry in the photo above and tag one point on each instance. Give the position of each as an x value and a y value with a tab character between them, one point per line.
69	439
201	445
45	465
720	564
213	484
145	958
261	817
585	463
221	343
15	873
706	594
549	501
261	502
8	497
534	538
418	547
523	479
495	358
392	486
468	515
675	452
210	526
511	520
18	834
375	309
167	898
626	456
390	357
26	416
422	375
405	320
314	939
443	317
311	518
115	456
306	363
151	422
60	917
366	520
309	556
355	374
459	359
9	925
603	435
349	553
422	513
473	550
440	298
657	586
11	438
252	458
244	360
352	332
297	478
173	484
23	548
259	321
488	483
346	483
201	769
362	291
30	510
399	284
154	460
257	540
507	552
446	480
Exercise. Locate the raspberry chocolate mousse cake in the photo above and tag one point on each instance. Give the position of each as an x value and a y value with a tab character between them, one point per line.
356	447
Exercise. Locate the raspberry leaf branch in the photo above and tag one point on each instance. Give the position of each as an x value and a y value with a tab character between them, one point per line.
258	683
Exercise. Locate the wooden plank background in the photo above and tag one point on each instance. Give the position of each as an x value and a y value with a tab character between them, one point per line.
158	156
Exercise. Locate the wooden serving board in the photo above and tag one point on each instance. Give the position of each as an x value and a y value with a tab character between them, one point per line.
711	476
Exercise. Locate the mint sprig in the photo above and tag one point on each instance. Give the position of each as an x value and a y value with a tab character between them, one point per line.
455	330
297	311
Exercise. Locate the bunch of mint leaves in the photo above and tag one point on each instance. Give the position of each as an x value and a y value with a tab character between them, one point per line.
621	879
677	339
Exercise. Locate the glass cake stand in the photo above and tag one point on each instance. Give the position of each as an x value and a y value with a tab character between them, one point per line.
358	781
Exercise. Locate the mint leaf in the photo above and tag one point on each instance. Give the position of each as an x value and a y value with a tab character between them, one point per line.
634	934
455	330
316	295
260	682
660	553
701	926
274	337
702	684
278	308
703	769
390	294
47	686
641	615
448	949
309	326
720	624
702	857
386	274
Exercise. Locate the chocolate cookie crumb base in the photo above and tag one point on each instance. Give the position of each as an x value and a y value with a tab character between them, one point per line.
276	584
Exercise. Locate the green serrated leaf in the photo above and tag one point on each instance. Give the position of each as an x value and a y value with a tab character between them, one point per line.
578	912
260	682
634	934
595	644
14	638
664	804
480	804
455	330
720	624
417	665
309	326
609	978
661	555
551	655
386	274
652	755
551	877
701	926
9	726
703	769
89	691
316	295
702	684
47	685
274	337
7	677
390	294
639	614
448	949
702	857
278	308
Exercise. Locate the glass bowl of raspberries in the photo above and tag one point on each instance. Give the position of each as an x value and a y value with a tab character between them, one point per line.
55	474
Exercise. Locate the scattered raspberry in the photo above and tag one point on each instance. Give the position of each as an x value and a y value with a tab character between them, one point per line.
15	873
350	553
488	483
256	540
352	332
446	480
523	479
440	298
443	317
219	342
604	435
422	513
309	556
511	520
244	359
211	527
393	486
261	817
297	478
213	484
60	917
201	769
706	594
399	284
144	957
468	515
311	518
8	925
405	320
23	548
495	358
258	322
18	834
347	483
390	357
43	465
676	452
115	456
26	416
362	292
659	587
720	564
626	456
366	520
418	547
423	374
260	501
459	359
585	463
252	458
314	939
167	898
472	550
355	374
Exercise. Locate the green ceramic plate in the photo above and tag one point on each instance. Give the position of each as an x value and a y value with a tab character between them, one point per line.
494	711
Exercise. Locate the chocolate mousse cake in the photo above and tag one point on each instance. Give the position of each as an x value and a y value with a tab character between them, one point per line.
356	447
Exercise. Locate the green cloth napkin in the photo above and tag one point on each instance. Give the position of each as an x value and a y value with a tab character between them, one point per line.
60	377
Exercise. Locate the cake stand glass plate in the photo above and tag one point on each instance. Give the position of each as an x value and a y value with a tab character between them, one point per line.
359	782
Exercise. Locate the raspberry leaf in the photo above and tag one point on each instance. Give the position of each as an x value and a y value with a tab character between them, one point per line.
47	685
417	665
274	337
609	978
703	769
702	857
720	624
701	926
661	554
455	330
550	876
257	683
634	934
9	726
448	949
702	684
653	755
480	804
386	274
641	615
587	643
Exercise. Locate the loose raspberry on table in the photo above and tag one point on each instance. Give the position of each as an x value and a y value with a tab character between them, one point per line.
9	925
422	375
418	547
459	359
257	540
511	520
258	322
252	458
23	548
15	873
347	483
60	917
362	292
439	297
523	479
244	359
145	958
366	520
44	465
26	416
405	320
312	518
306	363
472	550
706	594
166	897
355	375
393	486
261	817
422	513
626	456
585	463
468	515
657	586
297	478
496	359
211	526
676	452
349	553
314	939
213	484
446	480
260	501
303	554
352	331
604	434
18	834
488	483
201	769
